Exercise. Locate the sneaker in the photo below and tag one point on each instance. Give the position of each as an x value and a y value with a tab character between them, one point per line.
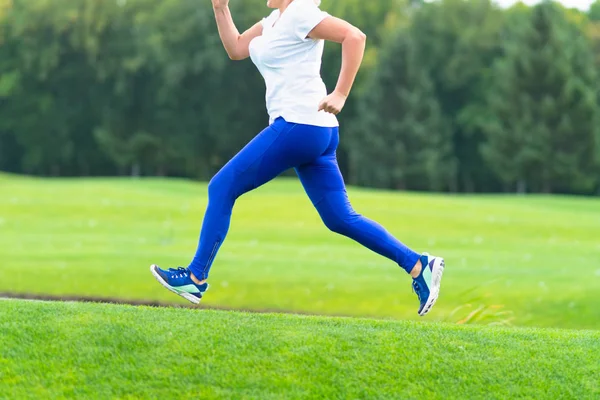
427	284
179	282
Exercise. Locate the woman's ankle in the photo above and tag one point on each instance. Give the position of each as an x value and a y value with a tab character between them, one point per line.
196	280
416	271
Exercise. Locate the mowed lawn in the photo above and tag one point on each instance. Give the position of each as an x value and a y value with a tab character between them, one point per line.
74	350
525	260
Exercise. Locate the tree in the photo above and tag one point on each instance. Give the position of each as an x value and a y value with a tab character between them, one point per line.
542	116
457	42
399	138
157	71
49	106
594	11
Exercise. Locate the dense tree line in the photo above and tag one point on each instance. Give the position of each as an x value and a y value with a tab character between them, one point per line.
454	95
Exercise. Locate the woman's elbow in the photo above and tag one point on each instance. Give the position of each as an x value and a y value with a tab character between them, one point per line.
357	35
238	53
234	56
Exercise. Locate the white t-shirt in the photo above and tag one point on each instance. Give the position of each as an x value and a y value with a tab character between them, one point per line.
290	63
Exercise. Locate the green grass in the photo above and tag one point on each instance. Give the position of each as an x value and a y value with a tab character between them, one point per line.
77	350
533	261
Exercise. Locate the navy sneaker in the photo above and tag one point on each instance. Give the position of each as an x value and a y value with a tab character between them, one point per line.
427	284
179	282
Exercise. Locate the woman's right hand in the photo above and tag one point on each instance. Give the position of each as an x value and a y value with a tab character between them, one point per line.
220	4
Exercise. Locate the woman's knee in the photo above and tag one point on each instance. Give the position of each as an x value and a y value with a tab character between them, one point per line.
341	224
221	185
335	225
337	213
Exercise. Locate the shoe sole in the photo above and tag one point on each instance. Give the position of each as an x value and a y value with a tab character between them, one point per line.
188	296
436	279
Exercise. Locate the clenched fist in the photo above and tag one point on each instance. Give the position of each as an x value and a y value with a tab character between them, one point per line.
333	103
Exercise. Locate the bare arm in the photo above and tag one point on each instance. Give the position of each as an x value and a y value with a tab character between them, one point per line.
236	45
353	48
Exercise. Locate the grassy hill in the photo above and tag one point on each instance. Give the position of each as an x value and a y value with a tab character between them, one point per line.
532	261
77	350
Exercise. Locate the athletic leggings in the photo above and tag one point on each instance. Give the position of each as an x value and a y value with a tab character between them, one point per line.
311	150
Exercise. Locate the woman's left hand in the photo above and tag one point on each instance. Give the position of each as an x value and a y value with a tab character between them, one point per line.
333	103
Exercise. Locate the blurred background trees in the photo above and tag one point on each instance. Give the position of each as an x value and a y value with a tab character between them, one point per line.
454	95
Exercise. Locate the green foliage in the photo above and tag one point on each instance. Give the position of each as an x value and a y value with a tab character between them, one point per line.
400	133
594	11
97	237
457	41
542	118
77	350
93	87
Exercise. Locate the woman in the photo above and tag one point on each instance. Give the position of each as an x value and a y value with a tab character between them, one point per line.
287	48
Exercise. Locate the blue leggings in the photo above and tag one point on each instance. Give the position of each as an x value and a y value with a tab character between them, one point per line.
311	150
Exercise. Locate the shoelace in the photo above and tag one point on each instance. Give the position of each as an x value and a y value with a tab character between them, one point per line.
178	273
